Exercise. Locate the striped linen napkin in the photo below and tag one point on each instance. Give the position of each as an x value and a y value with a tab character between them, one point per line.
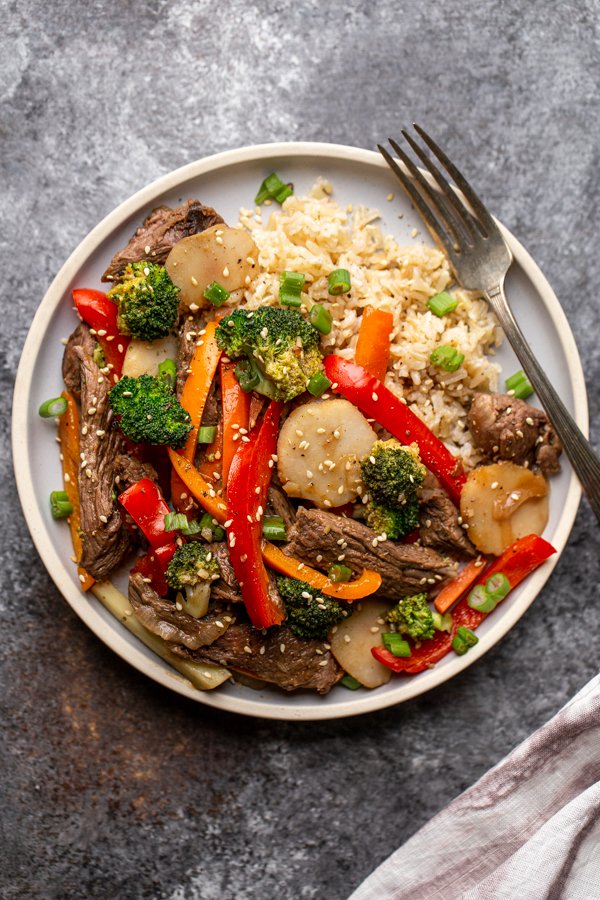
528	829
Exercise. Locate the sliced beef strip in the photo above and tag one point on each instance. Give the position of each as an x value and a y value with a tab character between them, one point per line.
298	665
439	522
104	539
71	363
506	428
404	568
161	617
160	231
129	470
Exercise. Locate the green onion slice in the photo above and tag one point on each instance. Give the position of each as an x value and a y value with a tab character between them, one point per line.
216	293
318	384
498	586
349	682
442	304
447	358
206	434
290	288
175	521
167	370
51	408
339	573
463	640
338	282
442	622
480	600
519	385
274	528
60	506
396	644
320	318
273	188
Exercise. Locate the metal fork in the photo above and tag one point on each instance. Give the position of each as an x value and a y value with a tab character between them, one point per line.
480	259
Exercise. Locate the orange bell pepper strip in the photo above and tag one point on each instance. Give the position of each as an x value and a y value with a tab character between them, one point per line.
367	583
195	392
236	412
373	344
68	432
450	593
198	486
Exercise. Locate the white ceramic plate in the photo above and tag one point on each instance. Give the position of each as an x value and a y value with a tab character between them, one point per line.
228	181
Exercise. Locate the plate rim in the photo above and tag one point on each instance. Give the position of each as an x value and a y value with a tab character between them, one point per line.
114	638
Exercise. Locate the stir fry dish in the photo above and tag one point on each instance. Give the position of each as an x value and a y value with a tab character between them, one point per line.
291	433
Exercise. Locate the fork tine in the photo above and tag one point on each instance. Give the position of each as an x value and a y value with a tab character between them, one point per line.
438	232
482	214
456	205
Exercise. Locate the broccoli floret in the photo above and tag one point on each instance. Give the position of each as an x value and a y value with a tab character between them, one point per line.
392	473
280	345
309	614
149	411
192	569
412	616
394	523
148	301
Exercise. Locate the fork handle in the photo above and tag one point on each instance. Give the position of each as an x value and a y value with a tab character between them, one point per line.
584	460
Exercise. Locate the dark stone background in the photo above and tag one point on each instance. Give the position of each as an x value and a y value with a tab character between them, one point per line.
112	787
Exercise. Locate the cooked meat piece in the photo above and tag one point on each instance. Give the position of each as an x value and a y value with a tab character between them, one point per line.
404	568
104	539
71	364
129	470
278	504
440	527
189	326
298	665
161	617
505	427
220	551
161	230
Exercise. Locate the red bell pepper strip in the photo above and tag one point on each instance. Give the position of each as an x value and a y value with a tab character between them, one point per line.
377	402
516	563
100	313
148	508
236	412
249	479
154	565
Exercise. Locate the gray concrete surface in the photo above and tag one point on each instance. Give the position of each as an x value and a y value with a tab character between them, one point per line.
112	787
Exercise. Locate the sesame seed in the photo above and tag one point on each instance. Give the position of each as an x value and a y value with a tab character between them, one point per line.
88	472
336	433
120	348
100	433
103	519
247	649
309	474
245	439
340	490
374	397
147	249
515	495
320	431
91	410
494	485
194	281
347	638
225	272
326	502
323	662
374	629
306	595
282	648
262	650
